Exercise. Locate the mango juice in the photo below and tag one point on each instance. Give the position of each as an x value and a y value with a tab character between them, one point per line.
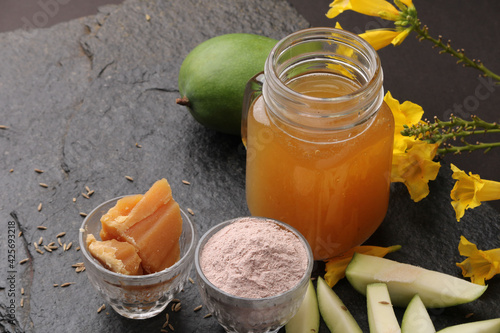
332	186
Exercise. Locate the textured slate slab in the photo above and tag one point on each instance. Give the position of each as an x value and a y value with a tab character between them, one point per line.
92	101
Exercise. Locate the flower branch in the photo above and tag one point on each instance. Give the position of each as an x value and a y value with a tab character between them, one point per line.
456	128
423	33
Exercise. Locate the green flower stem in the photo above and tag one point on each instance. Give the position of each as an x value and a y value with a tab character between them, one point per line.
459	54
467	148
457	128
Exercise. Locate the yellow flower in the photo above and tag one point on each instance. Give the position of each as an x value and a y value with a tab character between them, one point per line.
407	113
335	267
380	38
366	7
470	190
415	168
479	265
412	159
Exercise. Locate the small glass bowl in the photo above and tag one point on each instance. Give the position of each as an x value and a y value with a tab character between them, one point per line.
251	315
137	296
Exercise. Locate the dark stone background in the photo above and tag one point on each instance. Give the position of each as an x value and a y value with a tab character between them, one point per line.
78	96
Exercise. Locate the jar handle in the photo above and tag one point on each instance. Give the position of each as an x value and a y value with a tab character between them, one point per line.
253	90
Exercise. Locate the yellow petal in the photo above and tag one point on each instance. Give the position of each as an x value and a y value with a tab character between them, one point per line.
379	38
415	168
408	3
337	7
470	190
366	7
479	265
401	36
335	267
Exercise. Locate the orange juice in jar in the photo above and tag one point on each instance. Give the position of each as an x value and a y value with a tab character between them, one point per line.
319	139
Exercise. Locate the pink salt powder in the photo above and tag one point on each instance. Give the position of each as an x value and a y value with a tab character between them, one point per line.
254	258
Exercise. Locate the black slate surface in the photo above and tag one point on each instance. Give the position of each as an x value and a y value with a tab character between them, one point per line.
78	97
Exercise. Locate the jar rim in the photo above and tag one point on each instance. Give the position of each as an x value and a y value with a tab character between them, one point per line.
323	32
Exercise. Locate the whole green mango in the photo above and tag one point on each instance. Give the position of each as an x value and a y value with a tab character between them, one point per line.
213	76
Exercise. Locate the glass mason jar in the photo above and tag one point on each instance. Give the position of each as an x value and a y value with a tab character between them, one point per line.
319	139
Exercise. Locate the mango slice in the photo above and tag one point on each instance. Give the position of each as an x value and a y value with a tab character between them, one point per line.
120	257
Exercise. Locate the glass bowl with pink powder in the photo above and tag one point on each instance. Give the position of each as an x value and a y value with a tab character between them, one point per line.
253	273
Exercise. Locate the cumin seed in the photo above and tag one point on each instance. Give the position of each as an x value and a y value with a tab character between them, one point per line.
129	178
469	315
82	214
85	196
102	307
61	234
177	307
171	327
190	211
384	302
55	285
20	234
39	207
22	302
39	251
138	145
22	291
87	188
40	241
35	245
43	185
343	308
191	280
3	127
198	308
69	246
48	249
59	241
66	284
38	170
89	193
41	227
164	324
74	199
25	260
185	182
208	315
163	330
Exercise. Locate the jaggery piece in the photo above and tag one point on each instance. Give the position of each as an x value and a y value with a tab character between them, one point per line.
159	194
121	209
119	257
157	237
